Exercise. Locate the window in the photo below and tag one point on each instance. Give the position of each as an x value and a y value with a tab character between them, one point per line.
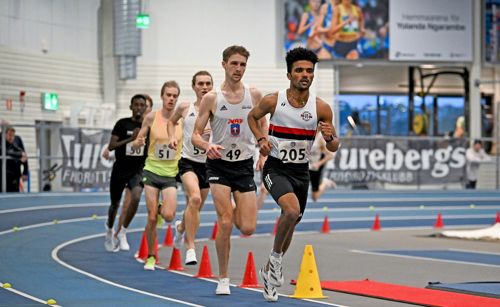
358	114
388	114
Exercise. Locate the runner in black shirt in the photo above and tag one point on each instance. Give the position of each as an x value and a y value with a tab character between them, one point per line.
126	173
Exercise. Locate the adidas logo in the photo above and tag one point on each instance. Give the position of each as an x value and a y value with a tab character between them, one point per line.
192	114
223	108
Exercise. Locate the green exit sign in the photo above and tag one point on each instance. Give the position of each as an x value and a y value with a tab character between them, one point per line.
50	101
142	21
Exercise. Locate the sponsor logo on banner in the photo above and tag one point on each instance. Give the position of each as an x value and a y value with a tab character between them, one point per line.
400	162
83	164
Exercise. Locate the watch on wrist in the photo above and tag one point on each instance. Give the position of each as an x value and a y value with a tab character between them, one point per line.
332	137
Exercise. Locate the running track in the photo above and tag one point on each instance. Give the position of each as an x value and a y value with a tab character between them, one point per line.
51	244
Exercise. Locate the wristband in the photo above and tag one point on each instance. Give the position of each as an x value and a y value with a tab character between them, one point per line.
260	139
332	137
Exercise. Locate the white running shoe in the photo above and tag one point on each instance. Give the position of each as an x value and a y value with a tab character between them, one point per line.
270	293
122	239
223	287
109	241
275	272
150	264
191	257
178	236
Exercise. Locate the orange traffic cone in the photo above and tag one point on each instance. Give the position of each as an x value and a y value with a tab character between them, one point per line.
205	267
175	261
169	239
250	277
439	221
142	253
376	223
276	226
326	226
214	232
497	220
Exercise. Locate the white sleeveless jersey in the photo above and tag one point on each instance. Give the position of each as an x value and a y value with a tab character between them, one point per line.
292	130
230	127
188	150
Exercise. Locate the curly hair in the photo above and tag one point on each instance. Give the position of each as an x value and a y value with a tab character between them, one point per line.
299	54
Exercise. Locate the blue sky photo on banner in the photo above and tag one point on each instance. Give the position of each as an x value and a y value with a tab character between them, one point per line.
381	30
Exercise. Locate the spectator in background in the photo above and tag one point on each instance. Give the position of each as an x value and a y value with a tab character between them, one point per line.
16	157
474	155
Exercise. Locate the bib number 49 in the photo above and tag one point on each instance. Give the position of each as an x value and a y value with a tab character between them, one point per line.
233	154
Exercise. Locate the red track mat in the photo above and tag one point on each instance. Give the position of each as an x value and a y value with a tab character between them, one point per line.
418	296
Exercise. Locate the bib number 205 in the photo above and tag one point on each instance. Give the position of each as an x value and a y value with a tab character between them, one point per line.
292	151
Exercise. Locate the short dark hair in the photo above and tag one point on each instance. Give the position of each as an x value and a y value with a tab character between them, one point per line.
201	73
171	83
229	51
478	142
137	96
10	128
299	54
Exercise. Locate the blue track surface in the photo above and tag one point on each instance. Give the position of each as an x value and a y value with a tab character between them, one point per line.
36	237
489	289
449	255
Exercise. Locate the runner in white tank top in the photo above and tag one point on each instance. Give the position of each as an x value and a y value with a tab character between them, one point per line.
230	127
295	115
229	155
192	168
292	130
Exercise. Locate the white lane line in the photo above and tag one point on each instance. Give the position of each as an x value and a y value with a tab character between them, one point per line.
58	260
399	218
413	199
26	295
46	224
405	208
54	207
422	258
274	210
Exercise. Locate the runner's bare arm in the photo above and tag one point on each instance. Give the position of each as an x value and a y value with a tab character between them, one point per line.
325	116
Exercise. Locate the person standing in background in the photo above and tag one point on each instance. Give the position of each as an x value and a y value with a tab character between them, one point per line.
475	155
16	158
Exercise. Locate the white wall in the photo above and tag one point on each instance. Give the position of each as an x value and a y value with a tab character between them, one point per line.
58	27
194	32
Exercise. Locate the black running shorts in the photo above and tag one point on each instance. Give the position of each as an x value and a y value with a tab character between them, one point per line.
237	175
282	178
200	170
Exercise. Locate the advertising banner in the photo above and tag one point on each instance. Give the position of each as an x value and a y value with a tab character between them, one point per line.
383	30
402	161
334	30
430	30
83	165
491	35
